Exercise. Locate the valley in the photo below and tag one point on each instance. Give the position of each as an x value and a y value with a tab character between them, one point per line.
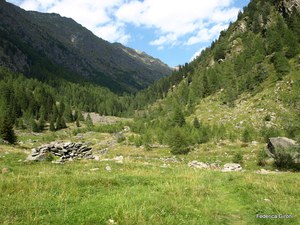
141	187
93	132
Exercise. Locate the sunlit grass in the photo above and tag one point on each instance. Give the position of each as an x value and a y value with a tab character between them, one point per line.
140	193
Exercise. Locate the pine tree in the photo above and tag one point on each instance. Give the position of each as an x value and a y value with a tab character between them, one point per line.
34	126
68	114
178	142
52	125
6	128
178	117
89	122
60	123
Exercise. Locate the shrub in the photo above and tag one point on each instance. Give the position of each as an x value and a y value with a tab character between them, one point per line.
266	133
178	142
238	158
284	159
261	157
248	134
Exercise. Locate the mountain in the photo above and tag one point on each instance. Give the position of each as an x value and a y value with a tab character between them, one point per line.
30	42
245	86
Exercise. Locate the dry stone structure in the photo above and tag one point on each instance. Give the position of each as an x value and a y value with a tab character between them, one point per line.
61	151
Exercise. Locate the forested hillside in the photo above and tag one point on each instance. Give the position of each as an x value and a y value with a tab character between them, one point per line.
48	47
248	80
245	86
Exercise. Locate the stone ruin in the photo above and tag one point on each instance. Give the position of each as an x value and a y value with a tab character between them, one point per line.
61	152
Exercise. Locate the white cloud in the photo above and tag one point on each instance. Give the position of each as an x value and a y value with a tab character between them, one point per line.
112	31
175	22
206	34
94	15
177	19
196	54
169	39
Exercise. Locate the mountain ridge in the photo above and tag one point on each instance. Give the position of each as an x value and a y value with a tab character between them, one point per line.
68	44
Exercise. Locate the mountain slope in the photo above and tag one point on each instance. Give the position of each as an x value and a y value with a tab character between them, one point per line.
245	86
32	39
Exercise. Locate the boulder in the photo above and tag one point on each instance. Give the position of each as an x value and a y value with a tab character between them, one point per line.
231	167
283	145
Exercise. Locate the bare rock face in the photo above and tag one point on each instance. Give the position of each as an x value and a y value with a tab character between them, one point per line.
288	6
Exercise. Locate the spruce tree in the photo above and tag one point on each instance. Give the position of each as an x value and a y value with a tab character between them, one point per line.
89	122
178	117
6	129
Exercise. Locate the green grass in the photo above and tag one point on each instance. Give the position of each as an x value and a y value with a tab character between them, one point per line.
139	193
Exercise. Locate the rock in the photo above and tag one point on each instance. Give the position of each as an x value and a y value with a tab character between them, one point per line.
263	171
279	143
40	157
103	151
119	159
108	168
230	167
198	165
283	145
66	151
111	222
287	7
97	158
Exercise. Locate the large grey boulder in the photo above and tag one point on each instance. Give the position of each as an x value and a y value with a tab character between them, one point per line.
277	144
283	145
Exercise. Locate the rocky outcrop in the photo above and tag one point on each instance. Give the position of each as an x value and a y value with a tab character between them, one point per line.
62	151
287	7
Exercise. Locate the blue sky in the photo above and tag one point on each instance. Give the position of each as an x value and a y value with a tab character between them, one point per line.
174	31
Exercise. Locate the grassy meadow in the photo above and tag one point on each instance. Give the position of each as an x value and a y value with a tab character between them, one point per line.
149	187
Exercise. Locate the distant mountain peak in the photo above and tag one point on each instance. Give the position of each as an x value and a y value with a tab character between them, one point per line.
40	37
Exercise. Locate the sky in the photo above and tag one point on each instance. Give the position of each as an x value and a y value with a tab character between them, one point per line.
175	31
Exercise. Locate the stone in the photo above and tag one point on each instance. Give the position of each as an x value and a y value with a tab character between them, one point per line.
66	151
198	165
40	157
263	171
111	222
279	143
231	167
119	159
108	168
